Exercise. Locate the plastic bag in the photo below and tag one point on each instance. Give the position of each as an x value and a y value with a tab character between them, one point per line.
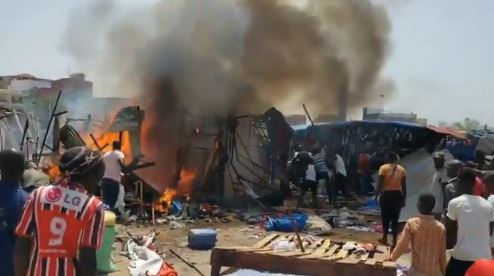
284	223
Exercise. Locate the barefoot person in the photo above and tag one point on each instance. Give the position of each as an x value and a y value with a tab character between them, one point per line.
62	226
428	239
391	191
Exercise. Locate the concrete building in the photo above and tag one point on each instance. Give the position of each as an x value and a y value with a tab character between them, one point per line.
381	114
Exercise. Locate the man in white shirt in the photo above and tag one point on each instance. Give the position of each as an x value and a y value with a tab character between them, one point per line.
468	223
114	163
438	183
489	189
340	174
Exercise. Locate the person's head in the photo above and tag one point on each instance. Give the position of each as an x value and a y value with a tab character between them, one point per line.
479	157
30	165
466	181
83	166
316	151
392	157
426	203
12	165
489	182
453	168
439	160
117	145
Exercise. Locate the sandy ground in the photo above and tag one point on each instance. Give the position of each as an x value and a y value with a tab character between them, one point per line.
229	234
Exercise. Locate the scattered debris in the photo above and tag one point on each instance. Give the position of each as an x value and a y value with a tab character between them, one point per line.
176	225
186	262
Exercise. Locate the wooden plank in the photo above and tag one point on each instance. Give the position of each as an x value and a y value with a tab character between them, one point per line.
331	251
260	244
266	240
297	252
320	251
288	265
364	257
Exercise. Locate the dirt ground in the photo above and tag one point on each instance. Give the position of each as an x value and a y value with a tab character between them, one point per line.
229	234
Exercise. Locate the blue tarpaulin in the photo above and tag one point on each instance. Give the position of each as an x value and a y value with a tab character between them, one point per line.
285	223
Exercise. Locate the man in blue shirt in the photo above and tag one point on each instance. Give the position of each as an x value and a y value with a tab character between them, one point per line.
12	199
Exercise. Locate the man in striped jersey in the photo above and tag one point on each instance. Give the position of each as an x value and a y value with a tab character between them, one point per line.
62	226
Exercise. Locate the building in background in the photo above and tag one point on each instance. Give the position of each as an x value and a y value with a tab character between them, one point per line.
381	114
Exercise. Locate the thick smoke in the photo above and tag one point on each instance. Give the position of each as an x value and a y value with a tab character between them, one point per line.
208	58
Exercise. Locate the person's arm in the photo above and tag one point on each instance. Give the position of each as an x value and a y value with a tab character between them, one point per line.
451	225
442	254
22	251
87	262
448	195
121	161
404	189
380	182
402	244
91	240
24	232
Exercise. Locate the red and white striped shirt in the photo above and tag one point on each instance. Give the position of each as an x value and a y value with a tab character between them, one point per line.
60	220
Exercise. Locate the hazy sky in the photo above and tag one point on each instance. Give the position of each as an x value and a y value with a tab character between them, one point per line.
440	60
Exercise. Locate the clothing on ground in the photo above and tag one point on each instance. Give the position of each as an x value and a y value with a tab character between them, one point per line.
60	220
12	199
393	175
473	215
428	239
113	169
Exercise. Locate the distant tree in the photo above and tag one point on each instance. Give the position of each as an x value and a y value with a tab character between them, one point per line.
468	124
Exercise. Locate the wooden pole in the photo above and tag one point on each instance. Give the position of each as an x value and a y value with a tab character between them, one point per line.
48	127
295	228
24	133
308	115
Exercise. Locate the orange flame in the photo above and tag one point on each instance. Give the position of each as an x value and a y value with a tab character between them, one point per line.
185	187
106	139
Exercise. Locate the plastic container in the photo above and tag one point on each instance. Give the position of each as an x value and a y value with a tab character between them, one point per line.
103	255
202	238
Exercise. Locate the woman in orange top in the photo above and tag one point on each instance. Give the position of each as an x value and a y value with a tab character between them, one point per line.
391	191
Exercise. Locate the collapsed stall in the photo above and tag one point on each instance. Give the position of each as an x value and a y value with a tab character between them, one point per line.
239	157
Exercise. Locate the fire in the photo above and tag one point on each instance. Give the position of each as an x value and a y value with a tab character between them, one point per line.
186	184
163	203
105	141
184	188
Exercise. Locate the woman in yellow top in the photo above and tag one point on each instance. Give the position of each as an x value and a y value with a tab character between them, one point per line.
391	191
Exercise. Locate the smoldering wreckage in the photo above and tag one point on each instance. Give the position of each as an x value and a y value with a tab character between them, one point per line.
204	144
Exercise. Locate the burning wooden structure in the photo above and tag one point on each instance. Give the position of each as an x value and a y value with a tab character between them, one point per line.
225	159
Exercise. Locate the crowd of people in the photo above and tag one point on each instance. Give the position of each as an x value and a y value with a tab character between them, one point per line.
56	229
457	213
